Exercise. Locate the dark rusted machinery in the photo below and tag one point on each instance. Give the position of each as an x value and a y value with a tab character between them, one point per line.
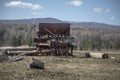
54	39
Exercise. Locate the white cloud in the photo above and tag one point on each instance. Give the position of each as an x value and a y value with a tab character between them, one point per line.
75	2
98	9
102	10
23	5
37	13
112	18
108	10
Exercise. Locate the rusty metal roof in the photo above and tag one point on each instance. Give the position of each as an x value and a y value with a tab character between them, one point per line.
54	28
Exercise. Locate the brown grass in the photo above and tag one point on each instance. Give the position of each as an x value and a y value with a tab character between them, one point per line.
64	68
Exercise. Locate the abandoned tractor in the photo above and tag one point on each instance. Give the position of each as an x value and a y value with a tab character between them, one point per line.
54	39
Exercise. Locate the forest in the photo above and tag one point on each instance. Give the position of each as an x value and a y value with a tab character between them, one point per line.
86	38
96	38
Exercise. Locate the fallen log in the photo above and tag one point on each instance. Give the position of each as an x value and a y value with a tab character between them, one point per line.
35	63
17	59
12	48
22	52
97	55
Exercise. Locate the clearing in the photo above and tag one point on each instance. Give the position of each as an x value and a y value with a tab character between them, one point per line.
64	68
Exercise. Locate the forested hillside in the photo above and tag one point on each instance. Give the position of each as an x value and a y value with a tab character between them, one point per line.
17	34
97	39
89	36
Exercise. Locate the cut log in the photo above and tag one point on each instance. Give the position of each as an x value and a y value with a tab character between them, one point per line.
87	55
26	52
97	55
20	58
11	48
3	56
35	63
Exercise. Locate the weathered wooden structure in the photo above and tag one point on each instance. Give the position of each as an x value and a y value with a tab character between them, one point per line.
54	39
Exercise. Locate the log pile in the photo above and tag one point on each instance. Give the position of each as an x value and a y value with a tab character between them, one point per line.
20	50
30	52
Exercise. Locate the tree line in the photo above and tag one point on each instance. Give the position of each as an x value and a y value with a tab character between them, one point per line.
96	39
17	34
85	38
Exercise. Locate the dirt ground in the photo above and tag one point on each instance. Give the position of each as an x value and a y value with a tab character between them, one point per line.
64	68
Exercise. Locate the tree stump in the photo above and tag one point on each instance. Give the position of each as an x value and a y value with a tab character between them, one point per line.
35	63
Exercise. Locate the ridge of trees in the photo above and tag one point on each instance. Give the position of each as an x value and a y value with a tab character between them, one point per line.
86	38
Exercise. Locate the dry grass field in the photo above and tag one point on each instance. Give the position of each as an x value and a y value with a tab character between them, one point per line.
64	68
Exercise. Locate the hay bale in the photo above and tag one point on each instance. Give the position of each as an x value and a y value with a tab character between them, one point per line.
97	55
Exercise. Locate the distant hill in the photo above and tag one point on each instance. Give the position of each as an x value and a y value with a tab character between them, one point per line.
36	21
93	25
31	21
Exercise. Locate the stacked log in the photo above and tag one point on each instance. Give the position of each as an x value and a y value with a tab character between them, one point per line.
22	48
10	51
97	55
30	52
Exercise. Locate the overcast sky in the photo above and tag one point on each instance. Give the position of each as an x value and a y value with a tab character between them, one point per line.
103	11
